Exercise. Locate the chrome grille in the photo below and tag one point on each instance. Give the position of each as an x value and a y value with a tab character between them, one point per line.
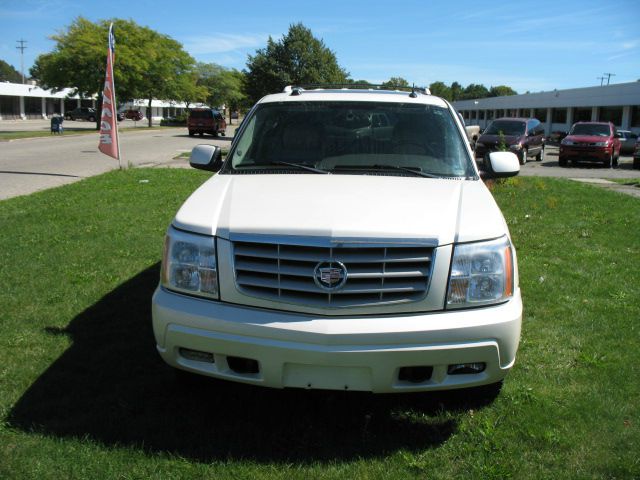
376	275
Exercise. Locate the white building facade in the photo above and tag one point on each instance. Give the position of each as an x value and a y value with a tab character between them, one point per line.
558	110
25	102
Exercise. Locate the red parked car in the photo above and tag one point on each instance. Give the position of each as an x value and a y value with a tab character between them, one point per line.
206	120
591	142
636	155
522	136
135	115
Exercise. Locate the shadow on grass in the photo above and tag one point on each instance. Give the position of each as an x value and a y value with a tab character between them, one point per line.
112	387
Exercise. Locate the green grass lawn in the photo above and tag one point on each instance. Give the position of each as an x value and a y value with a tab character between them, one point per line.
83	393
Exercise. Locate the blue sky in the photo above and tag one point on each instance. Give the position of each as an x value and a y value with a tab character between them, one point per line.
530	46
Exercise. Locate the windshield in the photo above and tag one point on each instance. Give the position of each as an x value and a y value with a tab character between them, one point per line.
201	114
351	138
507	127
591	129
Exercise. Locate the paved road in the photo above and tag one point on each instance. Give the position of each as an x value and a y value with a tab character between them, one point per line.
549	168
33	164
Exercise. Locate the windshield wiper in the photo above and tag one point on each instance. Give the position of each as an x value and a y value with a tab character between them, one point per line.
299	165
415	171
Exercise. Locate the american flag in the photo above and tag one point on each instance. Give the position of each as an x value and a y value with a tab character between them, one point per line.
108	120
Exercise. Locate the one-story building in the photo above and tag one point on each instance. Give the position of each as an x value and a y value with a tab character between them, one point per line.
559	109
28	101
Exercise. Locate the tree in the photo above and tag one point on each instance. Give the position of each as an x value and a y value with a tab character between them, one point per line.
396	82
441	90
474	91
147	64
189	91
501	91
8	73
223	86
456	91
297	58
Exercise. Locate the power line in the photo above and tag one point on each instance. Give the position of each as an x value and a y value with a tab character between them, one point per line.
22	47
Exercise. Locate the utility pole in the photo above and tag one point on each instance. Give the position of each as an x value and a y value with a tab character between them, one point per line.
609	75
21	48
601	80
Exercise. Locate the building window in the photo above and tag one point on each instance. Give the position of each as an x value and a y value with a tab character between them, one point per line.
611	114
500	113
635	116
473	115
483	115
33	107
9	107
559	115
582	114
540	114
490	114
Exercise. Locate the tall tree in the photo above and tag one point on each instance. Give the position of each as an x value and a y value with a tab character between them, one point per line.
8	73
456	91
297	58
223	86
147	63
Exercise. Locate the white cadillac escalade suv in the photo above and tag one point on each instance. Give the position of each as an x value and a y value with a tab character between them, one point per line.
348	243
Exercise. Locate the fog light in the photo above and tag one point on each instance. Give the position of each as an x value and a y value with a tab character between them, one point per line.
466	368
196	355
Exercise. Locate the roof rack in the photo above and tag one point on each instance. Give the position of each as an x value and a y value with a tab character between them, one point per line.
298	89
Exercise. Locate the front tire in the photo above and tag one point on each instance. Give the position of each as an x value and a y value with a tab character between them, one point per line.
540	155
609	162
562	161
523	159
191	133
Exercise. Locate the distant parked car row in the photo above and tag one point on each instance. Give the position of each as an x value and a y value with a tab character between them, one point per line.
586	141
89	114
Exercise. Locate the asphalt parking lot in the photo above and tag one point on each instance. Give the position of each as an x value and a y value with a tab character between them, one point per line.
549	167
33	164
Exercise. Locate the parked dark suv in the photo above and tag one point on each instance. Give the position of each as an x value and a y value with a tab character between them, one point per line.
522	136
206	120
82	113
591	141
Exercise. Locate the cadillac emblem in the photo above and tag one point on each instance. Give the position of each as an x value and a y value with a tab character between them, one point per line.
330	276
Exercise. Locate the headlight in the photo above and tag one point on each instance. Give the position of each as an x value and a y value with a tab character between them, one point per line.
189	264
601	144
566	142
481	274
516	146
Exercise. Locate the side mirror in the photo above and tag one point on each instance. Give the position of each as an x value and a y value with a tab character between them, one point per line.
501	165
206	157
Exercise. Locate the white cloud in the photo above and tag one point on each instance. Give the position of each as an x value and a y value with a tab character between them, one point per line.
223	42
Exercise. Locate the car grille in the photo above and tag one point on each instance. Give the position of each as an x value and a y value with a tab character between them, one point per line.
376	275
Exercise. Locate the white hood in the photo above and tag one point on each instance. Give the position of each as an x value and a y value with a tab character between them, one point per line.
343	206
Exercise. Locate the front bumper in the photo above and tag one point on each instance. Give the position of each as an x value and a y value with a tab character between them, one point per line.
596	154
338	353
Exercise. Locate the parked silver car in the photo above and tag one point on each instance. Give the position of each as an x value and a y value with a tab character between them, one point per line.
628	141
